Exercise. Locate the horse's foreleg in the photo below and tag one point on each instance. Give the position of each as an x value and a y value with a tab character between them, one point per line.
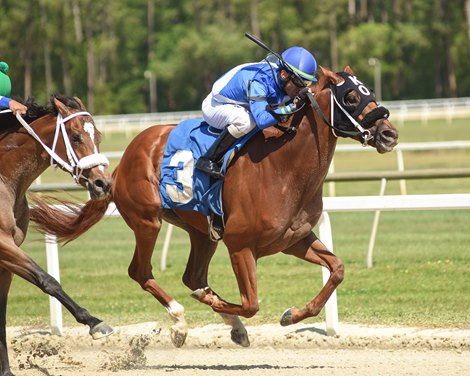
5	282
140	270
16	261
311	249
195	277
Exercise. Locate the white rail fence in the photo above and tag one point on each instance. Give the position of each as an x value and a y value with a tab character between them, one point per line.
331	204
422	110
399	152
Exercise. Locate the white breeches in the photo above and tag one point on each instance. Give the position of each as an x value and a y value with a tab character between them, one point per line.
220	115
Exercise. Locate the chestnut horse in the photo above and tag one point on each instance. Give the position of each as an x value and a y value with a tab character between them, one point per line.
275	211
62	134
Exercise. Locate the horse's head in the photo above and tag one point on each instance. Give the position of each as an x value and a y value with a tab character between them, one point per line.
356	113
79	145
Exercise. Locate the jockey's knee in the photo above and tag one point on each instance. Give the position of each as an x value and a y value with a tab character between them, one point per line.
240	128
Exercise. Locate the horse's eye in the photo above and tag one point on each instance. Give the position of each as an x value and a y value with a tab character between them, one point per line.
76	138
351	100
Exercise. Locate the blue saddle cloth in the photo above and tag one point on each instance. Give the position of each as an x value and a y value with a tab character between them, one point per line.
181	185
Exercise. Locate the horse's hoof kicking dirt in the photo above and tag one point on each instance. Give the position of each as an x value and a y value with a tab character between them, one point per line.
178	336
101	330
240	337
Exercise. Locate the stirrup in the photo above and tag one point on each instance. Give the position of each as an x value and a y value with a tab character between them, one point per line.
209	167
216	227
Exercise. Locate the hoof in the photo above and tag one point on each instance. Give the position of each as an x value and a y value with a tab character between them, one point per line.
240	337
178	335
286	318
101	330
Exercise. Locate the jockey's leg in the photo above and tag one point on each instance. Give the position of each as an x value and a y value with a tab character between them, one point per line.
218	115
209	162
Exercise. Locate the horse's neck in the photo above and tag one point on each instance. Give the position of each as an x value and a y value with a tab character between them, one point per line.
22	158
321	143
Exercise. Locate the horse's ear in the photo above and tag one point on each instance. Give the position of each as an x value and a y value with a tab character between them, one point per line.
82	106
61	107
331	76
348	70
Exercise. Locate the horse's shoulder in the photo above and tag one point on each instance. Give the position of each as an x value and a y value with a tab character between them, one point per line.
146	148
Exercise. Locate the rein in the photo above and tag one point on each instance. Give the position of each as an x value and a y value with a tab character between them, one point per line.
350	83
364	133
360	131
74	165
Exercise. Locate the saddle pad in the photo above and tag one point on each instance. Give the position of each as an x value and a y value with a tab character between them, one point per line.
181	185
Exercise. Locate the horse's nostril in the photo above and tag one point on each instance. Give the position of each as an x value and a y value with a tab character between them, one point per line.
103	185
389	134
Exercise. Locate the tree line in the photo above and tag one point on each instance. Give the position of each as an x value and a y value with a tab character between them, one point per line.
131	56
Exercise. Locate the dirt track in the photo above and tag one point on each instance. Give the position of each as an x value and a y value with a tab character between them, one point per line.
145	349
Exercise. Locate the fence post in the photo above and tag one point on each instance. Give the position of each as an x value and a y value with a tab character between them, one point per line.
331	306
52	254
401	167
375	225
166	246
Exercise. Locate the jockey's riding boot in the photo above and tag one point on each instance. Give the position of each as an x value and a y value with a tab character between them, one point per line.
209	162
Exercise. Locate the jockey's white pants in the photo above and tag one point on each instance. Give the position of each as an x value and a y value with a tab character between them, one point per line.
235	117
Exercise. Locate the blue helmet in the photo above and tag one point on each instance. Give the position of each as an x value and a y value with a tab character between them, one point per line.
301	62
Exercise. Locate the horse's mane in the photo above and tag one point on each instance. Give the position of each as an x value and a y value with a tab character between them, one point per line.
36	110
323	82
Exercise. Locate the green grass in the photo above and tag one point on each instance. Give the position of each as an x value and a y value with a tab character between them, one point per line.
420	273
419	277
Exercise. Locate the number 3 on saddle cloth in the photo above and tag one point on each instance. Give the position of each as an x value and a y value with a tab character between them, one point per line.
182	186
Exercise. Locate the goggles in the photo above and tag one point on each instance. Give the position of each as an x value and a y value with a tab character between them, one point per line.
297	81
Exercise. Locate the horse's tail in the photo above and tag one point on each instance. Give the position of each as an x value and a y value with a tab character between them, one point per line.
66	220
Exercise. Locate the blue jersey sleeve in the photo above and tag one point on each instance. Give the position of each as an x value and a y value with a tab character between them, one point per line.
258	105
4	102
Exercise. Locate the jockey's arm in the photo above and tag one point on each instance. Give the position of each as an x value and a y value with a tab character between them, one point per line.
264	114
4	102
263	117
13	105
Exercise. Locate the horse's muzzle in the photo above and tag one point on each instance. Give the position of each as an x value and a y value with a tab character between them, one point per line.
385	137
98	183
99	189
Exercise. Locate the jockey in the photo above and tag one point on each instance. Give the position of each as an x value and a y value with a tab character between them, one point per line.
5	90
254	94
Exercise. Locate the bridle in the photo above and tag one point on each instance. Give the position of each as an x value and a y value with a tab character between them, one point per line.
341	116
74	165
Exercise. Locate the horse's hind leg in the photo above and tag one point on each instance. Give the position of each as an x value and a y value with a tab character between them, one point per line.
311	249
5	282
140	270
195	277
14	260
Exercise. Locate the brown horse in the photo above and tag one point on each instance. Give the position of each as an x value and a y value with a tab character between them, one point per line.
62	134
280	203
